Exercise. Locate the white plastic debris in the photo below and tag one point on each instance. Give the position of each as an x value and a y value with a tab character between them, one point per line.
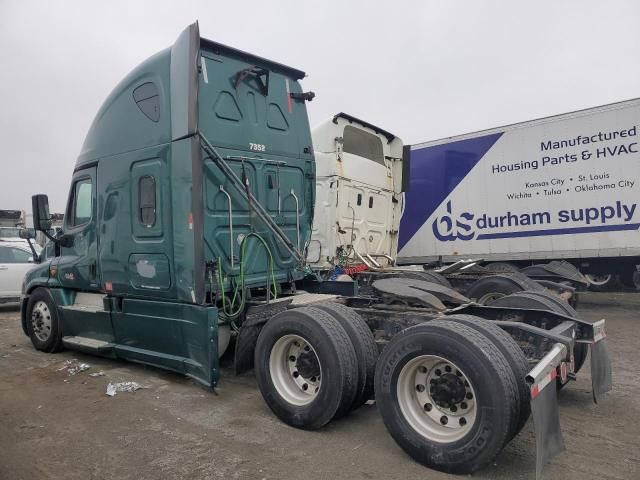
73	367
97	374
114	388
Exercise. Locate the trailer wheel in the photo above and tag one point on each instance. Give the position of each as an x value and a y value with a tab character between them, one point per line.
43	325
364	345
446	395
600	282
306	367
514	355
547	301
489	289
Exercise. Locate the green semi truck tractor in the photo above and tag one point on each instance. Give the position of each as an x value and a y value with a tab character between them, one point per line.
185	235
168	204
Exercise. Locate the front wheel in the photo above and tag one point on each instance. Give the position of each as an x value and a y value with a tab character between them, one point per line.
43	325
447	396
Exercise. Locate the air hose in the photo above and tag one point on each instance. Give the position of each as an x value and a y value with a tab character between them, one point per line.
237	303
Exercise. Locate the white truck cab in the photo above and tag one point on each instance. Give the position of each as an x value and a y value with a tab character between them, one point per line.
359	201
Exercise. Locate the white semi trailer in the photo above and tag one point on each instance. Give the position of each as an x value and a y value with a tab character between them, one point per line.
563	187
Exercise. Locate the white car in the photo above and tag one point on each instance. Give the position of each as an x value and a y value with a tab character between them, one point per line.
16	259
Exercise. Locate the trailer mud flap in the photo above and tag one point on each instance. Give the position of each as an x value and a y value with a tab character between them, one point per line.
544	406
601	378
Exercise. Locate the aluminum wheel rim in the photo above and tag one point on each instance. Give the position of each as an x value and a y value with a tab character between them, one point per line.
41	321
490	297
296	383
598	280
421	409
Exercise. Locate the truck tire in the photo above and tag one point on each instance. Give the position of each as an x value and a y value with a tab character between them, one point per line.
502	267
306	367
547	301
427	369
43	324
514	355
490	288
363	343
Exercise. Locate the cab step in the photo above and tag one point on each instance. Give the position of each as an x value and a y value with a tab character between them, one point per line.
87	344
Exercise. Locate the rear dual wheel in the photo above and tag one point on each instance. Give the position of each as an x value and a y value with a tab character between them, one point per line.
313	364
447	395
514	356
364	345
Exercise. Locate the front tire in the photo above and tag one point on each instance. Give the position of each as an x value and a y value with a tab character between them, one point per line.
43	325
427	370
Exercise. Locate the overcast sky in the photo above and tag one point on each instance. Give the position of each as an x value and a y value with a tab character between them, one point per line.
421	69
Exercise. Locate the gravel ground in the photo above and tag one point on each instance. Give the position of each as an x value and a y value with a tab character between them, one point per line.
53	425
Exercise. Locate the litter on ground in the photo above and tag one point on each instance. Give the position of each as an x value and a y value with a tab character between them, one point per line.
73	367
114	388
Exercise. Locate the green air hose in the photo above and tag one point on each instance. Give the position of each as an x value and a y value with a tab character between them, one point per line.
237	303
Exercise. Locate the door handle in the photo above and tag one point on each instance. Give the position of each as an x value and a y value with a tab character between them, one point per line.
4	268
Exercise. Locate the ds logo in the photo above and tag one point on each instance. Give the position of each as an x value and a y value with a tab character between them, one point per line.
447	229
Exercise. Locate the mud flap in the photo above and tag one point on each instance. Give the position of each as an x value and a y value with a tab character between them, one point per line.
601	378
546	421
544	406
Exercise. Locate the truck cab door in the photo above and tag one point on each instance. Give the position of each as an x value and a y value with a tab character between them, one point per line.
77	264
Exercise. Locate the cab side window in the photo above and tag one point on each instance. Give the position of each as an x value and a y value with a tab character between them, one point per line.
147	200
363	144
81	204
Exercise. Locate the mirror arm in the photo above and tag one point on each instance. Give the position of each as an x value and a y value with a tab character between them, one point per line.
50	237
36	257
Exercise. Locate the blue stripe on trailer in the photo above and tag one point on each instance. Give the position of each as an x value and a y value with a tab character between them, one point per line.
435	172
